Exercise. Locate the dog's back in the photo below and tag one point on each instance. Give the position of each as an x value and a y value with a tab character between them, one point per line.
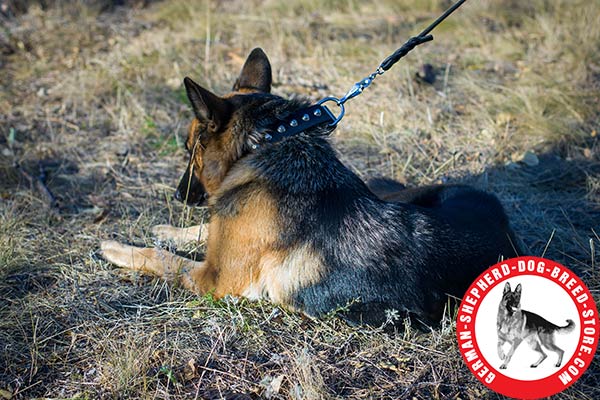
540	325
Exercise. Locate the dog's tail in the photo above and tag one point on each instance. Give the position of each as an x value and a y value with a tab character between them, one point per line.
567	328
383	187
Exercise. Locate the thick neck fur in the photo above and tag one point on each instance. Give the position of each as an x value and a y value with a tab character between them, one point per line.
301	165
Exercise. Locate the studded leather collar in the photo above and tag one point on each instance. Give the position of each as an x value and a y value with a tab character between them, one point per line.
299	121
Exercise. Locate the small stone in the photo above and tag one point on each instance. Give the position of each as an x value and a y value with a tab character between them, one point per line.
530	159
174	82
504	119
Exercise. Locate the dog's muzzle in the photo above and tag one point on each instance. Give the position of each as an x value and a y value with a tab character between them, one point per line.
190	190
191	200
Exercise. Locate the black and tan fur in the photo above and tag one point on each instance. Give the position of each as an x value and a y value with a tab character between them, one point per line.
290	223
515	325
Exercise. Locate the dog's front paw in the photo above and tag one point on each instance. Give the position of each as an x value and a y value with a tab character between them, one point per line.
116	253
179	237
503	366
164	232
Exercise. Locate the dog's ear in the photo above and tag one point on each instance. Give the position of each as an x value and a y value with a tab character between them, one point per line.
518	291
506	288
256	73
208	107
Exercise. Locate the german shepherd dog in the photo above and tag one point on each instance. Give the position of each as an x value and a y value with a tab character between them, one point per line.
290	223
515	325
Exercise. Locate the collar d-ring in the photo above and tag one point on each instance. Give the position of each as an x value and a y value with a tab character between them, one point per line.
339	103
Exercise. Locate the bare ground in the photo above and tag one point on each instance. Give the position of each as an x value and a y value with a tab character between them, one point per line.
92	113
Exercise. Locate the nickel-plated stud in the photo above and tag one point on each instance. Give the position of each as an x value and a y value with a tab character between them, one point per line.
254	146
293	123
281	129
317	112
305	117
268	137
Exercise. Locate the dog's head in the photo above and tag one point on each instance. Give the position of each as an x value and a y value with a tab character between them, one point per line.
222	129
511	300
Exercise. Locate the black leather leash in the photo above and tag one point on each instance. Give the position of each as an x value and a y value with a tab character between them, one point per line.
319	113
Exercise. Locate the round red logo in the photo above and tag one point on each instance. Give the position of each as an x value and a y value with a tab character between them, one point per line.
527	327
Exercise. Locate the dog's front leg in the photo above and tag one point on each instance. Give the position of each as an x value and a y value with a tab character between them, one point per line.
154	261
501	354
181	236
511	351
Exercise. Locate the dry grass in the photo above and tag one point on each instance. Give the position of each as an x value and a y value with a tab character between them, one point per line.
92	96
